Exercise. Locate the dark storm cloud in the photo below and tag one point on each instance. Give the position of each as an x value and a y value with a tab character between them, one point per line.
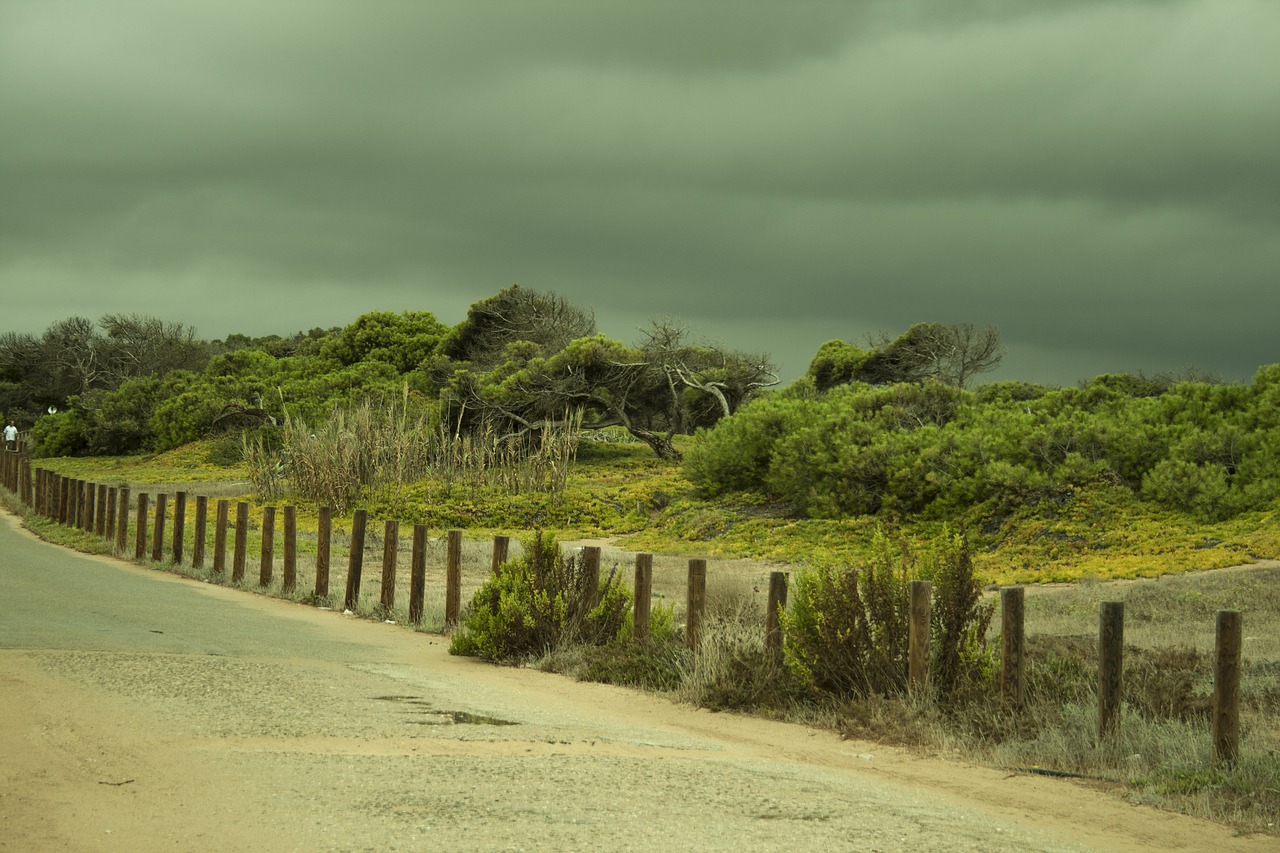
1097	178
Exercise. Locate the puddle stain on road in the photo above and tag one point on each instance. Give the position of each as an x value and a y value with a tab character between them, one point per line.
436	717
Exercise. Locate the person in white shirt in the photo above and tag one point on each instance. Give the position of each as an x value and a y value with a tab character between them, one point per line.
11	437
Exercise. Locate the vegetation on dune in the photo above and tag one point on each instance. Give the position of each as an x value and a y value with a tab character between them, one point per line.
881	466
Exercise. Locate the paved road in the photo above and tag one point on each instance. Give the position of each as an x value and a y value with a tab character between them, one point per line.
143	712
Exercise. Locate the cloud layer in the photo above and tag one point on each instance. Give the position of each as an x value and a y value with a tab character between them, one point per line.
1099	179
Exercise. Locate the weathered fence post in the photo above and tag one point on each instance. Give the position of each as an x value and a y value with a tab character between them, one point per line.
157	535
267	563
772	622
390	550
238	555
220	536
501	545
64	500
1110	666
140	545
643	597
26	484
71	499
918	637
695	603
179	526
89	518
1011	646
1226	687
324	530
418	573
109	522
453	579
122	521
100	518
355	560
590	577
289	583
199	532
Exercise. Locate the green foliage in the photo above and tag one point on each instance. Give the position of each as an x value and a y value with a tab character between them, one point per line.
537	602
61	434
846	631
935	451
404	341
836	363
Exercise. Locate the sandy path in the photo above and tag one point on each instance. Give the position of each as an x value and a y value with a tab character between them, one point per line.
144	712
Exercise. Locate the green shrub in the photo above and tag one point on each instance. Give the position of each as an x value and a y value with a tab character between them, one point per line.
61	434
847	629
537	603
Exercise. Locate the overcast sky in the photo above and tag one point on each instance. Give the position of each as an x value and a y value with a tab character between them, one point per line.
1098	178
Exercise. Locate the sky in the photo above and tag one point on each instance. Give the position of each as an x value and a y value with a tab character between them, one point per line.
1099	179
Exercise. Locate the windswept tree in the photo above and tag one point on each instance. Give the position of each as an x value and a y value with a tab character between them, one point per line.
951	354
646	390
512	315
703	382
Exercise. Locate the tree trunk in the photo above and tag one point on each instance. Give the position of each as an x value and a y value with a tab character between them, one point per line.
661	445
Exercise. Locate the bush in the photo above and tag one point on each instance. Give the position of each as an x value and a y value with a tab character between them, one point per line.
61	434
537	603
847	630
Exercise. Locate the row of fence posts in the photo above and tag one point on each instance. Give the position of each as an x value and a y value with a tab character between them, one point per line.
103	510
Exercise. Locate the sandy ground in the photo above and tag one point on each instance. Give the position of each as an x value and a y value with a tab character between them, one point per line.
145	712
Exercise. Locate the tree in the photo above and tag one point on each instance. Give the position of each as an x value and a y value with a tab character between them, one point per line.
403	340
720	380
516	314
609	383
951	354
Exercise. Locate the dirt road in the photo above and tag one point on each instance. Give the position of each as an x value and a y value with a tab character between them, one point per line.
144	712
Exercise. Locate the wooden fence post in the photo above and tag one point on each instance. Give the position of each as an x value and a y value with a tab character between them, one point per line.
1226	687
453	579
267	564
64	500
1012	640
390	550
179	526
324	530
418	573
501	545
157	535
109	521
355	560
918	637
290	581
643	597
238	556
140	545
200	525
1110	666
89	518
590	577
100	518
772	622
220	536
122	521
696	603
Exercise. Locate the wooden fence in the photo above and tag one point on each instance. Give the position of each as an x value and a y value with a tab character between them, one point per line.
105	510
